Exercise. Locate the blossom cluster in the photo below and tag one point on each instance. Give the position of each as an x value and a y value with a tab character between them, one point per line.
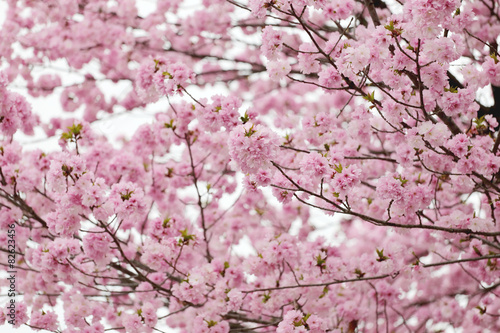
304	166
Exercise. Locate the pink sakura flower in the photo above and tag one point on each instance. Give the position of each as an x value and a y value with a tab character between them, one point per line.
329	77
21	316
144	82
189	293
149	315
346	179
262	178
61	248
15	113
386	292
222	112
339	9
46	84
314	164
473	77
132	323
492	70
467	165
8	216
155	255
10	153
405	154
235	299
491	121
172	77
257	8
93	193
279	249
128	203
307	57
45	320
94	328
161	77
459	145
253	147
434	76
435	134
64	170
278	69
64	221
96	245
291	323
358	57
442	49
389	187
285	193
272	42
316	324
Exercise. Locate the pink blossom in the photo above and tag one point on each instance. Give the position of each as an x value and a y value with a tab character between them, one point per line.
128	203
314	164
458	145
132	323
329	77
272	42
278	69
96	245
346	179
44	320
252	147
307	58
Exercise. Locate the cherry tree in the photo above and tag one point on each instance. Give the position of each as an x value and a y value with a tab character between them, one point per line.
271	120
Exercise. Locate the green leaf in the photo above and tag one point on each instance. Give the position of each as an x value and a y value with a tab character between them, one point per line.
452	89
170	173
170	125
325	291
402	180
186	237
359	273
381	256
370	97
494	57
126	196
482	311
390	26
250	131
73	132
320	262
66	170
245	118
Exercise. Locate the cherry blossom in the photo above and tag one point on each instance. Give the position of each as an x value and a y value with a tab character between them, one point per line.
290	166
